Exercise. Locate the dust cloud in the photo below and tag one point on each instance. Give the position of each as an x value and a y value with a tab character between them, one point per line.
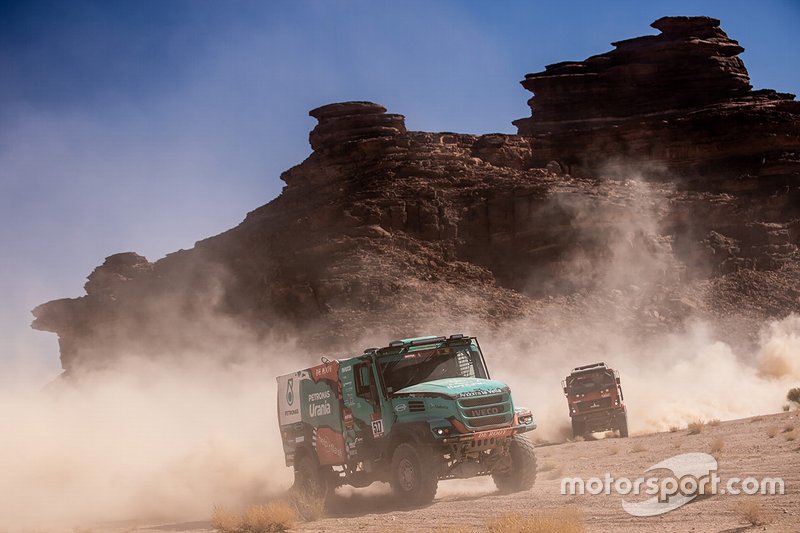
145	441
671	375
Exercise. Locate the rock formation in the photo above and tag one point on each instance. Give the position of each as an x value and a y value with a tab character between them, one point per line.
382	230
679	102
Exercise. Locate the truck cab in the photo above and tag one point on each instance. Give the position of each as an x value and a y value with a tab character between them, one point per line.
411	413
595	400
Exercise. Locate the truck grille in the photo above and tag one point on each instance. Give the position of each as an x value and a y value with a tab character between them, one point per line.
416	406
486	411
482	400
589	405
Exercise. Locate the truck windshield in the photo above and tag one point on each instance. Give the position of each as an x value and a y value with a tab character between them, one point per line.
591	382
409	369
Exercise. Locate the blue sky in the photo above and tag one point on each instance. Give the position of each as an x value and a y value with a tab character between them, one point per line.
147	125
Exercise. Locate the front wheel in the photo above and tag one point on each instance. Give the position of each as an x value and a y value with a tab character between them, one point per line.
623	426
414	478
578	429
522	474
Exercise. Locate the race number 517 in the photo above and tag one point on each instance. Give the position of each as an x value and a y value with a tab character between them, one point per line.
377	428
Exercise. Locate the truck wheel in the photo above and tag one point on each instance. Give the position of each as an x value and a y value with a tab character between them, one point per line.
414	477
522	473
623	426
310	489
578	429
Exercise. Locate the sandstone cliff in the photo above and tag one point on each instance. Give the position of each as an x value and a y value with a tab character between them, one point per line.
650	184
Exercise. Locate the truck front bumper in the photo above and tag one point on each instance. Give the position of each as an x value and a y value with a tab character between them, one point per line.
487	434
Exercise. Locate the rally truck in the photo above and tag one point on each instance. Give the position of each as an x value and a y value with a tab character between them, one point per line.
594	396
411	413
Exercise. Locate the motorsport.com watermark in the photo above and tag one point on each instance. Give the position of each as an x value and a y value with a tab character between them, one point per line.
691	475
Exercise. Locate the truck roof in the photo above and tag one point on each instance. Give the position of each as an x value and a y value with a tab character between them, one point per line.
399	345
589	368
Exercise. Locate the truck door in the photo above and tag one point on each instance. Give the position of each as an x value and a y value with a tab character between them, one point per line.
363	418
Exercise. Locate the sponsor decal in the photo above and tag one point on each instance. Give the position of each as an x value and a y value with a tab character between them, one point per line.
329	445
317	396
493	434
485	411
480	392
325	371
377	428
319	409
400	407
290	391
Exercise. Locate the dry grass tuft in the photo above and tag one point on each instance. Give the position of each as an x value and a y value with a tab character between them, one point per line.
674	429
792	435
757	419
696	427
225	521
677	444
579	438
786	407
614	450
787	428
268	518
750	511
308	507
638	448
772	431
717	445
714	422
565	520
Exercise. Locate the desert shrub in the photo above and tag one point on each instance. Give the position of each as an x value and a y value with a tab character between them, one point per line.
614	450
757	419
674	429
714	422
786	407
750	511
638	447
792	435
696	427
772	431
787	428
717	445
565	520
268	518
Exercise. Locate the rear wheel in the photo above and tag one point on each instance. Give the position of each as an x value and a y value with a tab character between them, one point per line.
311	488
414	477
522	474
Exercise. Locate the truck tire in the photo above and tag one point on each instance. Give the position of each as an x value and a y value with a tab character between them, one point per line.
623	426
578	429
522	474
413	475
311	488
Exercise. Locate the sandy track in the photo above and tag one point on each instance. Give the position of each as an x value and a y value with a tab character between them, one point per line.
748	451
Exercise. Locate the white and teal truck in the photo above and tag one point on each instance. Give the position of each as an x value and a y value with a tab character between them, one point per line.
411	413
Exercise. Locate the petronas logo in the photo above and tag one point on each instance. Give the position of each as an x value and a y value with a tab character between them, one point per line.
289	391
